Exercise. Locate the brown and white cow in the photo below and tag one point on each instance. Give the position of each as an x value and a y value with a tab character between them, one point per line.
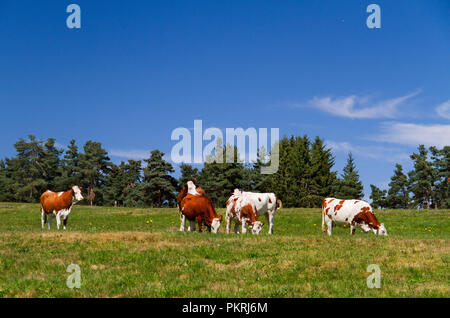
59	204
242	211
350	212
195	206
265	204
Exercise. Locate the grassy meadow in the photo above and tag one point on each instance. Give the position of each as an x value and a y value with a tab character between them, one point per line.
136	252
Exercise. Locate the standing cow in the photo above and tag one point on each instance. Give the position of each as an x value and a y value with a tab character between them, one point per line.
195	206
59	204
264	203
243	212
350	212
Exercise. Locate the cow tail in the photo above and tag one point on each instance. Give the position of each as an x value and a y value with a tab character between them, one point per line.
280	204
323	215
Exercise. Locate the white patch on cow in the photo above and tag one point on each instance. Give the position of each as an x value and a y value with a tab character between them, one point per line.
215	224
60	193
77	194
192	189
257	227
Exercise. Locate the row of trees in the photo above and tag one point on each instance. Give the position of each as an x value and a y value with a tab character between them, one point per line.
305	176
427	185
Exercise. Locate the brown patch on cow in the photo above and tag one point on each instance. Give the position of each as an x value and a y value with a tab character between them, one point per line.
50	201
270	201
259	199
330	201
339	206
346	219
356	201
200	209
326	211
324	204
249	213
367	217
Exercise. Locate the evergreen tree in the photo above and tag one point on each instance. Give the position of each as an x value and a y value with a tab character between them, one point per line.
320	175
421	179
349	186
70	170
94	166
187	173
158	186
441	173
398	194
378	197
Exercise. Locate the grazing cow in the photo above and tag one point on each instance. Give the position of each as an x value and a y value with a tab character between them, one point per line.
350	212
264	203
194	205
201	209
59	204
189	188
243	212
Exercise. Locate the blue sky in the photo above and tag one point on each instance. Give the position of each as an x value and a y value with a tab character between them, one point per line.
136	70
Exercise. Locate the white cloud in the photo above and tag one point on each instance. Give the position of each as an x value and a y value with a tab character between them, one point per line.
415	134
350	106
371	151
130	154
443	109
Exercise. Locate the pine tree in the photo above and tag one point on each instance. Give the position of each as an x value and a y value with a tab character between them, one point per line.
70	170
378	197
398	194
158	186
187	173
441	173
320	175
349	186
94	167
421	179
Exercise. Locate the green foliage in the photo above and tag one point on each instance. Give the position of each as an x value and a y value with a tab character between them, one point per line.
378	197
349	186
398	194
158	186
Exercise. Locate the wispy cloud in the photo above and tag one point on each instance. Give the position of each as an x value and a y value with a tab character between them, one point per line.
443	109
376	152
136	154
414	134
354	106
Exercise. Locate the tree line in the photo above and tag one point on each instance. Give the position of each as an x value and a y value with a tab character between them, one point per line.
305	175
426	186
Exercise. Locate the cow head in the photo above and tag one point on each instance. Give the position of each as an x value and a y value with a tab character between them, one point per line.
381	230
77	193
257	227
215	224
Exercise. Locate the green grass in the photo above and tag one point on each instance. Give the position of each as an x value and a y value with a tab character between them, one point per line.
121	255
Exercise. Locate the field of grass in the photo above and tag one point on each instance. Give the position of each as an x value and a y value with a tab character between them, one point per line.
132	252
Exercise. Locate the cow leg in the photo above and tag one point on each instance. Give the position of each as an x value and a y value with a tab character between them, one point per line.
65	221
324	228
58	220
49	224
237	228
329	226
352	229
191	227
183	222
270	221
244	229
43	217
199	222
228	220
